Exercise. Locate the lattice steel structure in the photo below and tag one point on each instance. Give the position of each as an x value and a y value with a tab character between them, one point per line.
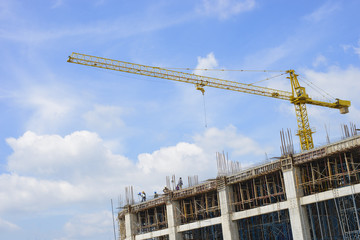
297	96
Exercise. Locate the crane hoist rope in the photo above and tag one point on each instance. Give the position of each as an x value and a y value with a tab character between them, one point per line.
297	96
224	70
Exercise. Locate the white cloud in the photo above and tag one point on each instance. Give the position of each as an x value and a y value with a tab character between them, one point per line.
57	3
7	10
199	157
356	49
175	159
340	83
319	60
99	2
110	29
20	193
55	108
323	12
8	226
50	171
228	138
295	45
207	63
52	106
105	119
51	156
90	224
345	47
270	56
224	9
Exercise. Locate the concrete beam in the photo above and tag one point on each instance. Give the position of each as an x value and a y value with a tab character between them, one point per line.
331	194
151	235
260	210
199	224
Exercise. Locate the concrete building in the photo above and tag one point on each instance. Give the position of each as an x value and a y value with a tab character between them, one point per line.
310	195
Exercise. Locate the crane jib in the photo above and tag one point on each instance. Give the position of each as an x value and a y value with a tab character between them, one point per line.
297	96
181	77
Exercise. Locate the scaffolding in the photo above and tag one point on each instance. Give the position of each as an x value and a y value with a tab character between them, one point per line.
336	218
151	219
271	226
199	207
209	233
334	171
259	191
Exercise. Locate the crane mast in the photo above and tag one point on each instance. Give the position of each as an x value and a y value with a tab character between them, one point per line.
297	96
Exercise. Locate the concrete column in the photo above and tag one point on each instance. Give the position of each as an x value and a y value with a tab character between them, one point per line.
298	216
229	227
122	229
173	221
130	226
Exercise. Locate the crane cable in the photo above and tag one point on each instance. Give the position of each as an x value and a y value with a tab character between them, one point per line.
267	78
225	70
317	89
237	70
204	110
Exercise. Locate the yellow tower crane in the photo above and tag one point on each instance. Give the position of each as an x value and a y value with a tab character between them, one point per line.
297	96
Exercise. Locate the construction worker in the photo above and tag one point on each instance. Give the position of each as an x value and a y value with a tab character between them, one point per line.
156	195
143	196
180	183
166	190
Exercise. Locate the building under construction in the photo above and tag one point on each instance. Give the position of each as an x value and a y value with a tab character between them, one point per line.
310	195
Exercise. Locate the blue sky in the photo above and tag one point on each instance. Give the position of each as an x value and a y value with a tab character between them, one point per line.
73	137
